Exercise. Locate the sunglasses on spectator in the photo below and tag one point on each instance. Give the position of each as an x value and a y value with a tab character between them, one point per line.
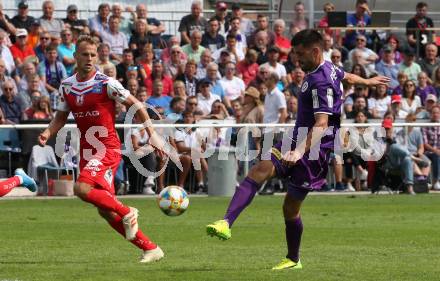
66	34
336	57
21	36
360	40
409	85
44	38
8	89
175	52
192	103
73	11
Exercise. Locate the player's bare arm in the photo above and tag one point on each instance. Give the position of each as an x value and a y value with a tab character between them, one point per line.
55	125
378	80
313	137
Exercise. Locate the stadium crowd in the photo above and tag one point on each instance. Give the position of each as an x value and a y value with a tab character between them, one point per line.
230	67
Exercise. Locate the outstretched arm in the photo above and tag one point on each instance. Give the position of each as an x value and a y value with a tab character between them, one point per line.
354	79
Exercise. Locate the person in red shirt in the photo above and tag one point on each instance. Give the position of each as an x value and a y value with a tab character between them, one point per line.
91	97
281	42
21	50
159	73
247	69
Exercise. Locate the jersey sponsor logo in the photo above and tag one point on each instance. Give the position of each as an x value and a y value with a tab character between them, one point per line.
276	153
304	86
80	100
94	166
82	114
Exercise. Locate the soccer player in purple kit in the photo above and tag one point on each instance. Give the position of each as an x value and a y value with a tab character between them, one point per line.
303	155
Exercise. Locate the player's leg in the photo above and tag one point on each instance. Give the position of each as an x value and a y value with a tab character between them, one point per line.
151	252
243	196
294	228
186	165
105	200
20	178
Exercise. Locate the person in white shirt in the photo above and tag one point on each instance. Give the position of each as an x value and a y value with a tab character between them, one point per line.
233	87
380	103
234	29
328	44
275	66
410	101
5	53
275	107
237	54
117	40
364	56
205	97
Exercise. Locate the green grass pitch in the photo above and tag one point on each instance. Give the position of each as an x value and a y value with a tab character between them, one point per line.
345	238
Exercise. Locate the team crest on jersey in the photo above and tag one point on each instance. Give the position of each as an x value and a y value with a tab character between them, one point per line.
80	100
97	88
304	86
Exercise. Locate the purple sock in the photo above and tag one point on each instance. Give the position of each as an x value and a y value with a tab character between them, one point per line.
294	231
242	197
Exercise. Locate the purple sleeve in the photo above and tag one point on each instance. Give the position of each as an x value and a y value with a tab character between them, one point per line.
323	98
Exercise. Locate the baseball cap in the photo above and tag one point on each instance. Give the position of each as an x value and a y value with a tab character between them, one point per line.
221	6
431	97
23	5
253	92
35	22
387	123
21	32
235	6
396	99
387	49
72	7
205	81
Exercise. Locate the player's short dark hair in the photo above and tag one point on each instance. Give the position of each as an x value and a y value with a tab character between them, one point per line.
230	36
421	5
51	48
126	51
307	38
212	19
187	113
235	18
361	2
261	16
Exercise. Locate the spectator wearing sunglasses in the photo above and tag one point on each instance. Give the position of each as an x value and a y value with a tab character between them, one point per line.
40	49
71	20
9	105
22	19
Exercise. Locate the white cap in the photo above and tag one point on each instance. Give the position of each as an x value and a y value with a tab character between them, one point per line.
21	32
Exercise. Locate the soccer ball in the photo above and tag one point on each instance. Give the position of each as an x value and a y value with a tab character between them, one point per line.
173	200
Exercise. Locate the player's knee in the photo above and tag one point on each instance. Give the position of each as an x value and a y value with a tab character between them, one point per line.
81	190
261	172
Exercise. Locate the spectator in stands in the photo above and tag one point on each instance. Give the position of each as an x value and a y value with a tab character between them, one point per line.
211	39
189	77
175	66
294	87
187	140
328	44
380	103
401	78
133	86
274	66
239	36
157	99
281	42
4	77
194	50
393	43
140	35
396	107
99	23
299	21
12	110
28	71
5	54
359	70
115	39
110	71
360	104
275	108
336	57
33	84
423	88
213	75
323	23
71	21
22	19
44	42
145	57
430	62
179	89
359	91
387	67
253	109
104	56
191	104
262	25
190	23
367	56
21	51
236	53
34	34
44	110
431	140
430	102
5	23
225	58
262	75
49	23
360	18
247	69
418	25
436	80
205	97
141	94
155	27
166	53
292	109
158	73
177	107
66	50
218	111
412	139
205	59
261	46
51	70
124	23
221	15
128	61
408	66
246	25
233	86
410	101
29	112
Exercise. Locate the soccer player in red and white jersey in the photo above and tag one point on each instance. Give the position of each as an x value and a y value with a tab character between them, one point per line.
91	96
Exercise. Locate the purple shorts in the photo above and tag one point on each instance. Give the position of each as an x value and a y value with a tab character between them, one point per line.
306	175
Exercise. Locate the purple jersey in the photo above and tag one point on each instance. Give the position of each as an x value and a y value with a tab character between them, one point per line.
321	92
